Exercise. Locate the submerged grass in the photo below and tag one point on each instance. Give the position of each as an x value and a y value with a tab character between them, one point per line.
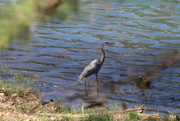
8	89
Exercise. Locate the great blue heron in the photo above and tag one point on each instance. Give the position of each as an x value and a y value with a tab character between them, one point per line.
95	65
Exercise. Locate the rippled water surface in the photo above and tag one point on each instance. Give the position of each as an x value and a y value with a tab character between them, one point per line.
142	30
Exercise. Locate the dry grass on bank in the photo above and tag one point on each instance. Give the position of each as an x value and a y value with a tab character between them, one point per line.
28	107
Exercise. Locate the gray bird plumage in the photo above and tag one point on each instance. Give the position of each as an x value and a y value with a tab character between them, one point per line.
95	65
92	68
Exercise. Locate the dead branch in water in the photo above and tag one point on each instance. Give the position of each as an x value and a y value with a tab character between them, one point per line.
167	60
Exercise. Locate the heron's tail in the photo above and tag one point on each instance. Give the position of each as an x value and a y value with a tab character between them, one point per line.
80	77
79	81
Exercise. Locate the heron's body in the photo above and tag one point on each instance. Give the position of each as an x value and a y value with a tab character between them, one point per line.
95	65
92	68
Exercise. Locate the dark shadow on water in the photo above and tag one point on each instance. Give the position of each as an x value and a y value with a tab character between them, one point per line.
94	96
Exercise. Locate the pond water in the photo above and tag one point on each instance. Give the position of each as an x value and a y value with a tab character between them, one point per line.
58	51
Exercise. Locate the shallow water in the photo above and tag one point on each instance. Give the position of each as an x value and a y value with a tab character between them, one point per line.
59	50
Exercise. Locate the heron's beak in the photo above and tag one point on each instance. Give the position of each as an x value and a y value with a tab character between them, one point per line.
111	43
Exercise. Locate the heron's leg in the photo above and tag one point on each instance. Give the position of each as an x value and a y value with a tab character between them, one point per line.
88	84
85	83
97	85
85	87
97	79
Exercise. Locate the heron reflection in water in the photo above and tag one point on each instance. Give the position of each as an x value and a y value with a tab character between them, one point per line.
94	66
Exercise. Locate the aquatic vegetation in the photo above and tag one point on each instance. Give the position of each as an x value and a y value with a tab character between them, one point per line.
8	89
25	77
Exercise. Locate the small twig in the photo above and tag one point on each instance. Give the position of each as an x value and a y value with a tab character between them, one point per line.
138	110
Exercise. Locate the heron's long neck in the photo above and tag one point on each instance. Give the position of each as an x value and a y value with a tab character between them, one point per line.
103	54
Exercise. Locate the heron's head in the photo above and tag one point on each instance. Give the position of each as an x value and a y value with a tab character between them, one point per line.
105	43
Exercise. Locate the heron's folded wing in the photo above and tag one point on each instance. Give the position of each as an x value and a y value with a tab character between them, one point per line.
93	66
90	69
